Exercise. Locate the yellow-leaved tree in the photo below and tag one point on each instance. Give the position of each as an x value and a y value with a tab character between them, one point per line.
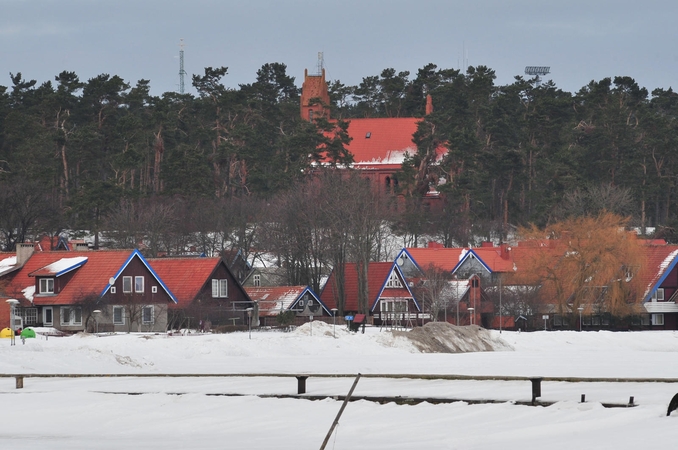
593	262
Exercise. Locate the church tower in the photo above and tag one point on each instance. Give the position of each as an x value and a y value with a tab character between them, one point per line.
315	98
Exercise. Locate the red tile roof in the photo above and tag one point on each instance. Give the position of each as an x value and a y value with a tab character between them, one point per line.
442	258
274	299
377	275
90	279
659	259
185	277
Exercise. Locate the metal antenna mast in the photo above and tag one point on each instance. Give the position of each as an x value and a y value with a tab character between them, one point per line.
182	72
321	63
537	71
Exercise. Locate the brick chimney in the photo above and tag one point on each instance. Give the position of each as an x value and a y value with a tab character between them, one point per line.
429	104
81	247
23	252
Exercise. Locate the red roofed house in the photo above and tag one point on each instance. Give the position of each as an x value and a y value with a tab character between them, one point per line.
273	300
206	291
656	309
378	145
76	291
389	296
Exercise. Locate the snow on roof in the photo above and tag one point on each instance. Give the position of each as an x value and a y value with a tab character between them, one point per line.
29	292
61	266
7	264
660	272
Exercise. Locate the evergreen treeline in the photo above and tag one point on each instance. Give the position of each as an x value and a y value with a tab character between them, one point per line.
102	154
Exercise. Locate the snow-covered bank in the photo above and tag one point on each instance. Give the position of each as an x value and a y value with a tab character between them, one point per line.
89	413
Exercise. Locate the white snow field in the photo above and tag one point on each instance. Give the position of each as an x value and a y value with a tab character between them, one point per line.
181	412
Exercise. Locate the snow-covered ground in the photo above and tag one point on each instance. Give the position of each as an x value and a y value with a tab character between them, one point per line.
74	413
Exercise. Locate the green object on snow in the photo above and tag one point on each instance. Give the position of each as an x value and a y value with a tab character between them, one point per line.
27	333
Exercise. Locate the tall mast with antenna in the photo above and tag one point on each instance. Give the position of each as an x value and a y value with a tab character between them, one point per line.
182	72
321	63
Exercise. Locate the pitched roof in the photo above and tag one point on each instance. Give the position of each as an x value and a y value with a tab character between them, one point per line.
442	258
90	279
659	262
274	299
185	277
381	142
377	276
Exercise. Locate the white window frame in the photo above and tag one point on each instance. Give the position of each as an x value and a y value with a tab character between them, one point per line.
658	319
122	315
45	322
393	281
72	316
658	295
46	286
219	288
256	280
154	289
112	289
388	305
139	284
127	285
150	321
30	316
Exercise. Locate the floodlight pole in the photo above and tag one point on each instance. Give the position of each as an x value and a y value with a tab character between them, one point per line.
12	304
249	322
580	309
334	322
500	312
96	313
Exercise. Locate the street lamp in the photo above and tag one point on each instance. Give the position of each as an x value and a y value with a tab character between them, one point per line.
249	322
96	313
334	322
471	310
12	304
580	309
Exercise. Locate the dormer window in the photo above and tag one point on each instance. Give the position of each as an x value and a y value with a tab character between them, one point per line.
47	286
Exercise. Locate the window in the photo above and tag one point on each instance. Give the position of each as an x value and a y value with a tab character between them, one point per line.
658	319
112	289
147	315
393	281
658	295
154	289
645	319
126	285
30	316
71	316
118	315
301	303
310	114
256	280
219	288
47	316
139	284
47	285
393	305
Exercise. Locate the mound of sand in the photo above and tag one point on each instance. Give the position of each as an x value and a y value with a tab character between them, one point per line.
442	337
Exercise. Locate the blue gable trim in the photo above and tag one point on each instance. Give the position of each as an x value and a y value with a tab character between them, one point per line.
659	282
137	253
475	255
73	267
409	256
383	286
314	295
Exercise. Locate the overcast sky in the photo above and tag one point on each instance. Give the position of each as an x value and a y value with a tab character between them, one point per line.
580	40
